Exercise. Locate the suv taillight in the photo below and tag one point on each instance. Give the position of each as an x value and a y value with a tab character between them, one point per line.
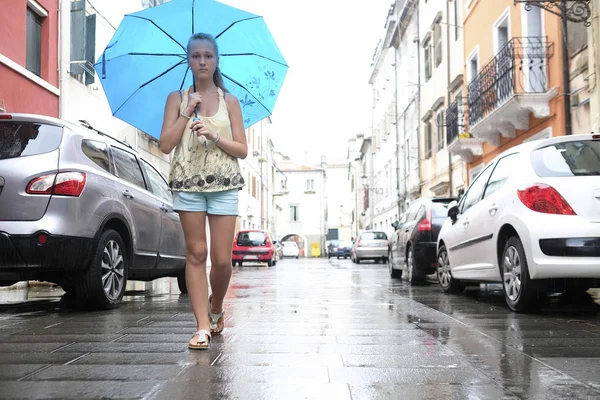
61	184
425	224
545	199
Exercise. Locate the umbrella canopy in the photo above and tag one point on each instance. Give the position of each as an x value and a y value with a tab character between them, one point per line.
146	60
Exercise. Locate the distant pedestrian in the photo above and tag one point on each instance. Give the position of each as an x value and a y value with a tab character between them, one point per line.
204	124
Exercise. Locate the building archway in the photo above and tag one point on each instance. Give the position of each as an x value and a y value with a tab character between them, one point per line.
300	240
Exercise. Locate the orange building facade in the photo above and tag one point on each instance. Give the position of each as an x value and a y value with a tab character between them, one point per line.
513	80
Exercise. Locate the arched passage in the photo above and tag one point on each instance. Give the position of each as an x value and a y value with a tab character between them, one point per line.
300	240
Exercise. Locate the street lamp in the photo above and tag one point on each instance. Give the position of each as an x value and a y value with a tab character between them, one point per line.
568	10
365	182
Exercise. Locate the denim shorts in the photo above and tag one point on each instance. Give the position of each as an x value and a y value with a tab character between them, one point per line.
213	203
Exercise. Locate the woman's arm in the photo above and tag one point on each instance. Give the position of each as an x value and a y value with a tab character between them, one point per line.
173	124
238	147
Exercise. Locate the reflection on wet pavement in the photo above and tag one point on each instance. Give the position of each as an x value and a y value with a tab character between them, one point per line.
313	329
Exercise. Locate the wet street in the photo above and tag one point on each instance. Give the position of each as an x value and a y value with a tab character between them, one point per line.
304	329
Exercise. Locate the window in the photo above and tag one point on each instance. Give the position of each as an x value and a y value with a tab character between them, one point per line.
251	239
97	152
476	189
373	235
437	43
310	184
457	19
439	210
249	183
428	139
473	65
439	122
33	56
283	184
427	59
158	185
411	213
504	168
576	158
127	167
254	188
83	43
294	213
21	139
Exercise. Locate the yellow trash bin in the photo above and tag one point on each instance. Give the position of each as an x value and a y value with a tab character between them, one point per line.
316	250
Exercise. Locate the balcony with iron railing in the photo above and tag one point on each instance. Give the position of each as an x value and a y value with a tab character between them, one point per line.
510	87
459	142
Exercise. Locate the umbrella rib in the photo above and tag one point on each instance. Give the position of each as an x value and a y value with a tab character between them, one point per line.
184	76
252	54
147	83
159	28
236	22
242	86
154	54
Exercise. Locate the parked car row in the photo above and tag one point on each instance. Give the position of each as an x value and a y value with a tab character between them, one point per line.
530	221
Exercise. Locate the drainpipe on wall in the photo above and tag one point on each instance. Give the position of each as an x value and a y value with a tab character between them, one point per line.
418	105
566	72
448	69
64	37
398	193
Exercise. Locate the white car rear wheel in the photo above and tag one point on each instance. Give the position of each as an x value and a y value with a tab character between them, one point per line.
520	291
444	273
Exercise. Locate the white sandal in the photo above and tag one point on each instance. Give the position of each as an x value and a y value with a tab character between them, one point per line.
217	321
201	344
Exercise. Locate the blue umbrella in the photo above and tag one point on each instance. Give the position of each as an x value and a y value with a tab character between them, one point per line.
146	60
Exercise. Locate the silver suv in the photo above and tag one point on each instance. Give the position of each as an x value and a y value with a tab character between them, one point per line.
83	210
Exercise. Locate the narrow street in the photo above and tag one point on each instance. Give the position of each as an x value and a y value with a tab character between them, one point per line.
304	329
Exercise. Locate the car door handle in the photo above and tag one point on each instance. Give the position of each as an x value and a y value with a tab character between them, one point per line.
466	223
164	208
128	194
406	230
493	209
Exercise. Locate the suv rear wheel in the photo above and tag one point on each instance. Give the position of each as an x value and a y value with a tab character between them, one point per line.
103	283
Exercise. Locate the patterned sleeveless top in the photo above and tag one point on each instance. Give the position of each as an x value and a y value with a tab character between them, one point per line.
198	164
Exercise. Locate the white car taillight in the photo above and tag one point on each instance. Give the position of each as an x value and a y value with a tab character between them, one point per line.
545	199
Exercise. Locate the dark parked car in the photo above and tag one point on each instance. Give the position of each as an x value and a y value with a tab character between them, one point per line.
413	245
339	249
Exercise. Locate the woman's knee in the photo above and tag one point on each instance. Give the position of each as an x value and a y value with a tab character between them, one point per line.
197	253
220	260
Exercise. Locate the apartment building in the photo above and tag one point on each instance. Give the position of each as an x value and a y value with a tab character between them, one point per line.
29	57
514	82
441	47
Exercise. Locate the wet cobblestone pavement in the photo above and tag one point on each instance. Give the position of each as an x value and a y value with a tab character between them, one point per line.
304	329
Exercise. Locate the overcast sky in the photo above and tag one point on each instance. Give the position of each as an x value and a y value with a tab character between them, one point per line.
329	45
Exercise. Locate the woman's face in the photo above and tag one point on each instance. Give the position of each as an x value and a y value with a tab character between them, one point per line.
202	58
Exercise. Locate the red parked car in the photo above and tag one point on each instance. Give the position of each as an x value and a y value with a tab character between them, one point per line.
254	246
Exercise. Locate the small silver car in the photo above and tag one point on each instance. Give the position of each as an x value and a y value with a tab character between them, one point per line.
83	210
370	245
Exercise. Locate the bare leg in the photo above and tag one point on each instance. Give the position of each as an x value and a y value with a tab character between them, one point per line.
194	229
222	229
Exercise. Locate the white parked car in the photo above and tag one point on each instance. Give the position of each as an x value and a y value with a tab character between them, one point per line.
530	218
290	249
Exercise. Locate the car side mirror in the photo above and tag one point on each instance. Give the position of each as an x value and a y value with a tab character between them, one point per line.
453	211
396	225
